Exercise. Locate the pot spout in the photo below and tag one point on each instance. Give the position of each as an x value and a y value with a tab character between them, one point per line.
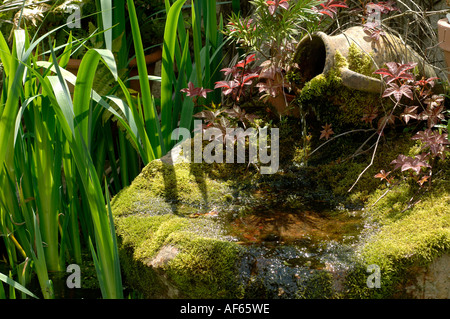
361	82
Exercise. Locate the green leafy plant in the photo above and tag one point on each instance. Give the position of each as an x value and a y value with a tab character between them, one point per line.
174	110
242	76
51	130
272	32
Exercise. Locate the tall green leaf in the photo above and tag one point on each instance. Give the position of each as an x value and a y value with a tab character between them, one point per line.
83	87
107	20
167	71
150	114
16	285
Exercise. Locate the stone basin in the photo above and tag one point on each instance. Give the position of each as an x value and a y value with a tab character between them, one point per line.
189	230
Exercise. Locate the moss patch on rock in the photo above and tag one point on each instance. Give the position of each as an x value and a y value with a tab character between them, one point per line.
162	188
154	212
199	263
409	228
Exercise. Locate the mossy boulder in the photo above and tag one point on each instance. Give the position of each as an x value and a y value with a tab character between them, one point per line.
179	224
408	233
167	252
173	243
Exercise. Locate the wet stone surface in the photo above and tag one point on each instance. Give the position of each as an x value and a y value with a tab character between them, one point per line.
295	254
294	271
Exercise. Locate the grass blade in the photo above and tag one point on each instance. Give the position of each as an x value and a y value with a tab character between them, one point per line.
106	8
167	73
83	88
118	276
150	114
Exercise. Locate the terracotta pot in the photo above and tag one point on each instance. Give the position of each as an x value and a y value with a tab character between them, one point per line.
73	66
315	55
281	104
444	40
150	61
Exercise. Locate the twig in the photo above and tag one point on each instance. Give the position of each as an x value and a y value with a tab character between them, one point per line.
410	205
384	194
359	151
374	151
339	135
371	160
387	191
412	12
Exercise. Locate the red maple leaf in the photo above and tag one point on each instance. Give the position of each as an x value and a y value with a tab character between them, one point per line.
229	86
326	132
435	100
396	71
432	115
374	33
330	8
370	113
423	179
409	113
435	141
423	82
247	78
246	61
386	6
385	120
407	162
383	175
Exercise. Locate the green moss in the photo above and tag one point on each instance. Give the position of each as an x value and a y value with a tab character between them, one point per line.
405	236
182	189
336	170
205	267
147	233
339	62
409	233
320	286
360	62
152	213
329	101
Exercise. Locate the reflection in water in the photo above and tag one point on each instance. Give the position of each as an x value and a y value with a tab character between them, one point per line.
294	254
